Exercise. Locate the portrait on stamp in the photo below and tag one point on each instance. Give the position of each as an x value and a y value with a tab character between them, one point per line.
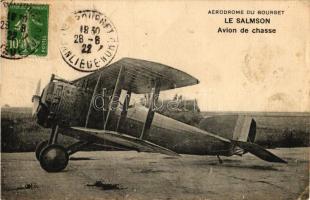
27	31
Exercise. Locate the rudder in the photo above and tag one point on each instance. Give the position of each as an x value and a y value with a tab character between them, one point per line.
245	129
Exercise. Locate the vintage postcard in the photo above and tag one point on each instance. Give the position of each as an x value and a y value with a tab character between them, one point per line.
155	99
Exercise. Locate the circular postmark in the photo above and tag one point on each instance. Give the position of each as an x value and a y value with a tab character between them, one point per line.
88	40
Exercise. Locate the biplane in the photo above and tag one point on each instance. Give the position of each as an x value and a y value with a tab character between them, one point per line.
67	107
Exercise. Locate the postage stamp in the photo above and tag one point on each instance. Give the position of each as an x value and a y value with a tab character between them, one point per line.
88	40
27	31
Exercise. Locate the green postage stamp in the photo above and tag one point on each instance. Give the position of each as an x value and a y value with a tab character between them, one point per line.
27	30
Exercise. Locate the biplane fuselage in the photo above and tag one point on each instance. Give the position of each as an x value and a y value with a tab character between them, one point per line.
96	109
65	108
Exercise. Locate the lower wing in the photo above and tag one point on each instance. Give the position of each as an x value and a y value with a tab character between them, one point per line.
100	136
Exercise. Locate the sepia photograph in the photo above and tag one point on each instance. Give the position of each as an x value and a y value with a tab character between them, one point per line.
202	100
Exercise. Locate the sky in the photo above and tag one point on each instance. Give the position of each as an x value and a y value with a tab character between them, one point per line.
237	71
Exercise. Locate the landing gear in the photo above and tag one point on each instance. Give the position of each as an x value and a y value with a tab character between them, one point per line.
54	158
39	148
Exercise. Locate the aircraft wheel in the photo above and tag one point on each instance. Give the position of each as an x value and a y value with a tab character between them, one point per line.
54	158
39	148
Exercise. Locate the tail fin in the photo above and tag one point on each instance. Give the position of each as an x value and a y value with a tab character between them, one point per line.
258	151
244	136
245	129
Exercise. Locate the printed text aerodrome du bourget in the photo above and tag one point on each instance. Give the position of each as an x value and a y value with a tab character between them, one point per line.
254	21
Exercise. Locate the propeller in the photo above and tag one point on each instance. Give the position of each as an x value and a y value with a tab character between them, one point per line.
36	99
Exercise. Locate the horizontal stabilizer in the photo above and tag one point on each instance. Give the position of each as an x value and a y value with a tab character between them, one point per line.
258	151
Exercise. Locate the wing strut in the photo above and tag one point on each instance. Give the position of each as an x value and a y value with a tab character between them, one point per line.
123	116
151	112
115	97
91	101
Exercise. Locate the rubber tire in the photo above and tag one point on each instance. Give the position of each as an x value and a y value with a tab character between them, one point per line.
54	158
39	148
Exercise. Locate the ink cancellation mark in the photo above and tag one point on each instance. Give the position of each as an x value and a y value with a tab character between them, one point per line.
27	31
88	40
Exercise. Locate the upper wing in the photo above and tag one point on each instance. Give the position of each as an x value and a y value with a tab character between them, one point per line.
139	76
99	136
